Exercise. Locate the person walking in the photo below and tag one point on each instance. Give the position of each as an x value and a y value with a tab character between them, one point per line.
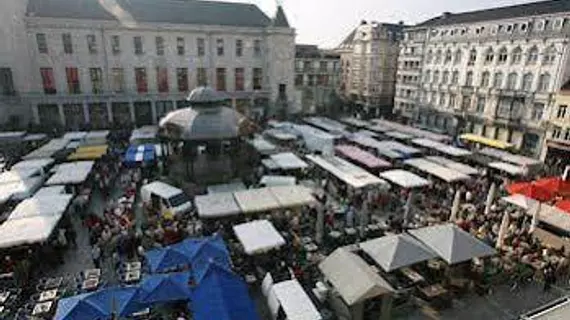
96	256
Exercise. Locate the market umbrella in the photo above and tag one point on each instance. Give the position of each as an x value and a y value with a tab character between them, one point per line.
161	288
166	258
77	307
563	205
118	301
490	198
503	230
455	206
531	190
554	184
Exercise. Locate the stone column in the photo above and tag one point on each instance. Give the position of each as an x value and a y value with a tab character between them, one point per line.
86	112
36	113
61	114
109	112
132	111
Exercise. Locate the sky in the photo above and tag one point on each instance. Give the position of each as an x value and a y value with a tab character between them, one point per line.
327	22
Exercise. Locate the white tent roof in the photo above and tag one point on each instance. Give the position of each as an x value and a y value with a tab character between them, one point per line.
71	173
288	161
442	147
347	172
451	243
390	125
17	175
436	170
396	251
269	164
280	134
404	179
508	168
398	135
144	133
47	150
101	134
262	146
33	163
226	187
397	147
256	200
162	189
271	181
292	196
454	165
75	135
295	302
554	217
216	205
49	191
352	277
31	230
20	189
35	136
509	157
521	201
258	236
355	122
41	206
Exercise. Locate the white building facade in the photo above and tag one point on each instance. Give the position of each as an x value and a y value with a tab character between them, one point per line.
493	72
368	66
97	63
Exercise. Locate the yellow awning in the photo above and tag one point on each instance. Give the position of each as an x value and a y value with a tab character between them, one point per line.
88	153
486	141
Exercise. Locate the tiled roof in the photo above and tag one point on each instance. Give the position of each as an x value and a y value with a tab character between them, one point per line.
522	10
280	18
153	11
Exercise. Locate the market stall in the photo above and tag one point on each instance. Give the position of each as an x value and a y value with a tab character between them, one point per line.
256	200
16	232
398	135
272	181
75	136
361	157
48	150
43	205
348	173
393	252
19	190
288	161
293	196
71	173
446	149
510	169
453	165
258	236
292	299
216	205
92	152
436	170
226	187
404	179
96	138
262	146
140	154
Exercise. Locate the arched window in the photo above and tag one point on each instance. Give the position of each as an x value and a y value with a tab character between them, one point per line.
437	56
532	55
502	56
544	82
435	77
469	79
498	80
512	81
527	82
517	55
472	57
485	79
455	77
549	55
448	56
429	56
457	57
427	76
445	77
489	55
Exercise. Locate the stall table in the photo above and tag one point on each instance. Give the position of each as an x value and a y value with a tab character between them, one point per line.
92	273
433	291
4	296
412	275
42	308
90	284
48	295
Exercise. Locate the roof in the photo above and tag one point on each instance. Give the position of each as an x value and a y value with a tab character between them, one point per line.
454	165
508	168
404	179
256	200
521	201
499	13
295	302
288	161
71	173
441	147
162	189
41	206
396	251
362	157
258	236
272	181
451	243
152	11
216	205
280	19
347	172
352	277
439	171
226	187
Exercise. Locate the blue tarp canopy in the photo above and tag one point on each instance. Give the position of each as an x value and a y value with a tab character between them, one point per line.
140	153
160	288
213	249
77	307
101	304
163	259
222	295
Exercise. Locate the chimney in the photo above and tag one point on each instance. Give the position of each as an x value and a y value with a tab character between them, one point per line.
363	22
401	23
445	15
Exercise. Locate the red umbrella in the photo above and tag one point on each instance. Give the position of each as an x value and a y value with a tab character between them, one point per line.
555	185
531	190
563	205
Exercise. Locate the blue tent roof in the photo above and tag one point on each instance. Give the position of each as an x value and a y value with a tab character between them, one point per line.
209	252
166	258
165	288
77	307
121	301
222	295
140	153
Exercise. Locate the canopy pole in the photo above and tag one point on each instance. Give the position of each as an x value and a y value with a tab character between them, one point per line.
490	198
320	224
407	206
455	206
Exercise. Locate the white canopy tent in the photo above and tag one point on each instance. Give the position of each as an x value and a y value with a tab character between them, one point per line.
256	200
16	175
258	236
355	122
437	170
509	157
49	191
145	134
226	187
390	125
75	135
15	232
404	179
369	142
521	201
288	161
33	163
280	135
71	173
47	150
20	190
453	165
262	146
294	300
41	206
347	172
272	181
554	217
216	205
396	251
352	277
293	196
508	168
441	147
398	135
451	243
94	138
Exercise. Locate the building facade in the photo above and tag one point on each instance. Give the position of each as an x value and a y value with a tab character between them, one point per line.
557	140
317	76
100	62
369	56
493	72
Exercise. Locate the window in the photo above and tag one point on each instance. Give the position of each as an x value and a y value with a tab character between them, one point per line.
556	131
299	80
517	56
257	78
73	85
532	56
527	82
118	80
455	77
448	56
182	79
512	81
141	80
138	44
498	80
489	56
91	43
442	99
67	45
438	56
180	46
503	56
322	65
115	44
561	113
42	42
429	56
159	46
457	57
257	47
427	76
485	79
465	102
469	79
445	77
221	79
162	79
48	80
537	111
549	56
481	101
6	82
544	82
436	77
220	47
452	100
201	46
239	79
96	76
239	48
472	57
201	77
